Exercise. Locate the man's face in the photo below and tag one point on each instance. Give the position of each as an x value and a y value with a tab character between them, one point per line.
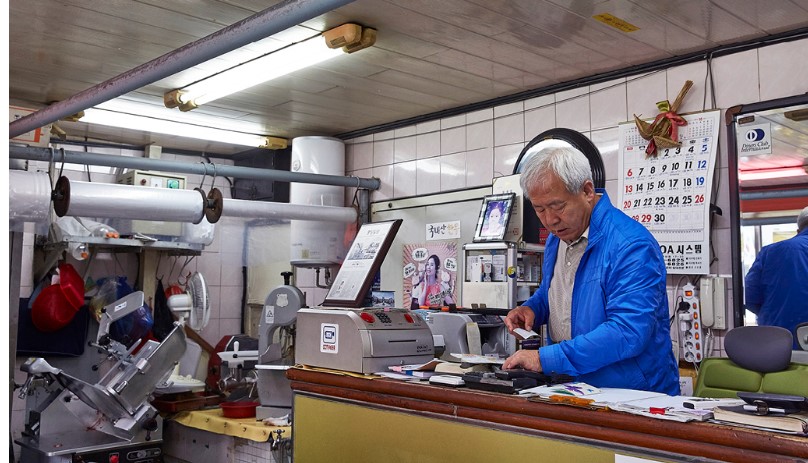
565	214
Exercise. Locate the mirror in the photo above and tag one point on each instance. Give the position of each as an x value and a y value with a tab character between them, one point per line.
768	181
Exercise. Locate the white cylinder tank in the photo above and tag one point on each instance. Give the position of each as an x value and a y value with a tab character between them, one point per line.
316	243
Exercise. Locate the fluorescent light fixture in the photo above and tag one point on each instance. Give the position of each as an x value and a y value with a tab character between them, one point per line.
271	66
165	126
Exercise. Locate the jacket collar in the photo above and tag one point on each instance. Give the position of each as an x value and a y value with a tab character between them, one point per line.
598	216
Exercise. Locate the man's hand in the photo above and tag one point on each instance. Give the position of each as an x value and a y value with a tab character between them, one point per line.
527	359
520	317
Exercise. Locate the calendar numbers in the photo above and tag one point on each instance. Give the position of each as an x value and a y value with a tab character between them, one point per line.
669	193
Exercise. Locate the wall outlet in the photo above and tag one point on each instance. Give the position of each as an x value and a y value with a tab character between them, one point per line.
690	323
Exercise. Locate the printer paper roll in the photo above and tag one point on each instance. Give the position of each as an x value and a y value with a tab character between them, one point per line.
107	200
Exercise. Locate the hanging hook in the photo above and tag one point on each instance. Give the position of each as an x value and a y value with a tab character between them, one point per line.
187	261
50	166
157	268
62	168
213	182
171	271
204	175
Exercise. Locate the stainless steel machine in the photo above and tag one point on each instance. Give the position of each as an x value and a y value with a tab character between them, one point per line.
276	348
69	419
471	333
362	340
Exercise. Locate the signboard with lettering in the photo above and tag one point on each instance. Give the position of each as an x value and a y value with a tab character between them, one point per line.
443	231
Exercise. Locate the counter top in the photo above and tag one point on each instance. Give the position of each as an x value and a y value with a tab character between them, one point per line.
708	440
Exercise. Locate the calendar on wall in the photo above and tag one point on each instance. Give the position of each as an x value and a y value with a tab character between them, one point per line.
670	193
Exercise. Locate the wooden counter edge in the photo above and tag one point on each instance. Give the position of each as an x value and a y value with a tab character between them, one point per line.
703	439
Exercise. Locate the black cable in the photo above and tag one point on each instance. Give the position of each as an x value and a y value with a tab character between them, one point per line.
244	299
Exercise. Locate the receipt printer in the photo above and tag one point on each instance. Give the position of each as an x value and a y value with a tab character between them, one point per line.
361	340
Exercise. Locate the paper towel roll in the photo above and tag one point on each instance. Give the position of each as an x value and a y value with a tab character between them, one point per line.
105	200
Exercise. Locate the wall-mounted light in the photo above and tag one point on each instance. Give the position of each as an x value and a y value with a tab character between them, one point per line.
346	38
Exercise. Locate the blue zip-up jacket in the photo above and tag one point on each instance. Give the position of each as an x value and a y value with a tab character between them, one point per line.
620	326
776	287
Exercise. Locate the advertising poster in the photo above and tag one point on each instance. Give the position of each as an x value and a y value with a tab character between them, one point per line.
430	274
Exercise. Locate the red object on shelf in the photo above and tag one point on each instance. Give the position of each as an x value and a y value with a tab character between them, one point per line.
56	305
51	310
72	285
238	409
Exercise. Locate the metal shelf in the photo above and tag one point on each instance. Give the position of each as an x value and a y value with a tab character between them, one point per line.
53	250
112	245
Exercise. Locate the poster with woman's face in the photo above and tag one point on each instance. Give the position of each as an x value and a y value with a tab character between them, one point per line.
430	268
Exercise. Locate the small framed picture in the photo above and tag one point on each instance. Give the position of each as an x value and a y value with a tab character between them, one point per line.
363	260
495	214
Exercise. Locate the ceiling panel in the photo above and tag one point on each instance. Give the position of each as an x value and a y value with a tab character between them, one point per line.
430	56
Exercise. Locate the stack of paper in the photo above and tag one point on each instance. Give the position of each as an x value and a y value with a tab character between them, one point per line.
423	370
646	403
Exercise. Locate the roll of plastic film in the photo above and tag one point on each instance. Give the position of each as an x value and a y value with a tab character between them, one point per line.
105	200
29	196
270	210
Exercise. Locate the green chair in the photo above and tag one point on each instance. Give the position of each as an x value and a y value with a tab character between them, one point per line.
759	361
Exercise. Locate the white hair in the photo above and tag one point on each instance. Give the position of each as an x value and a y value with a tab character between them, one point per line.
802	220
569	164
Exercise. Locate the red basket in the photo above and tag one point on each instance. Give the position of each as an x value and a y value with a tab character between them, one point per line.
238	409
72	285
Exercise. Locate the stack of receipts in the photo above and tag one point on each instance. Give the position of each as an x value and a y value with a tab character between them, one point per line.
651	404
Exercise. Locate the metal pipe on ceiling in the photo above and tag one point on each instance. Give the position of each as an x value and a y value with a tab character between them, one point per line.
201	168
274	19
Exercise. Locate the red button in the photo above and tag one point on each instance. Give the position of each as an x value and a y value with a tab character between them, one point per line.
367	317
408	317
113	458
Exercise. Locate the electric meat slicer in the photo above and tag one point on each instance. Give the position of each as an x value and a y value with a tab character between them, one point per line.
108	417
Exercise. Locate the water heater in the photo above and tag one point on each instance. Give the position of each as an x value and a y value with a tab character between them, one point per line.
316	243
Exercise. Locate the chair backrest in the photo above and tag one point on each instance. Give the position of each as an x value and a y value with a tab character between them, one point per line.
764	349
802	335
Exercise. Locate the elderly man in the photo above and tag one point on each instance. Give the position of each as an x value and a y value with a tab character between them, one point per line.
776	286
603	294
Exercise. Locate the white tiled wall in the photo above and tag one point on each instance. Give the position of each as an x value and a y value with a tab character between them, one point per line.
446	160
